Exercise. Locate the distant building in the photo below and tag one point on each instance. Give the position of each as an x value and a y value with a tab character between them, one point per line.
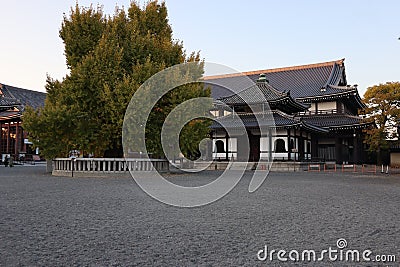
394	154
13	100
394	150
314	109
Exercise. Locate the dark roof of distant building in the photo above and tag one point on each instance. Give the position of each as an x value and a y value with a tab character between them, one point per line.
306	82
9	115
255	94
262	92
280	120
20	98
339	121
6	102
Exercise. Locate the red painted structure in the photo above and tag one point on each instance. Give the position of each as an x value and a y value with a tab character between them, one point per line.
13	101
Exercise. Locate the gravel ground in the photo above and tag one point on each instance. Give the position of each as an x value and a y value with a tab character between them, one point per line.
61	221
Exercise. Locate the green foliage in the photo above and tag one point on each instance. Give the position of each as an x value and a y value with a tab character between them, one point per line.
383	108
109	57
81	32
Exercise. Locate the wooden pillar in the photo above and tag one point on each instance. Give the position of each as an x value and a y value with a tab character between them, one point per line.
314	146
301	146
16	150
357	149
338	150
23	145
8	138
227	146
209	155
270	145
1	139
288	144
307	148
362	152
295	146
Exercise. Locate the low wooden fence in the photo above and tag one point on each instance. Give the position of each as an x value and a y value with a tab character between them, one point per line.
350	168
105	166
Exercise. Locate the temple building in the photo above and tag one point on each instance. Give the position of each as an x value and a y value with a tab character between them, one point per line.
13	139
314	109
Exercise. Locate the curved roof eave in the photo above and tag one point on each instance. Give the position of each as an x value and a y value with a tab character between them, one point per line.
313	127
332	96
349	126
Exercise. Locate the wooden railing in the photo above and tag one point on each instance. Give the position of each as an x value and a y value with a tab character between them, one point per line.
318	112
82	166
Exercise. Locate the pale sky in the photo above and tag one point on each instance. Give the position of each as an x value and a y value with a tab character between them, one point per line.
244	35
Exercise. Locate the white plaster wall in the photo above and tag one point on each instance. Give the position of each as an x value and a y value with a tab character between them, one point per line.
327	105
280	156
264	144
214	113
281	132
219	155
232	144
312	108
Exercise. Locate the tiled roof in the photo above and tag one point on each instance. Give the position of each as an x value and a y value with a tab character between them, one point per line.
333	120
250	120
6	102
23	97
302	81
280	119
9	114
258	93
318	123
261	92
218	91
226	87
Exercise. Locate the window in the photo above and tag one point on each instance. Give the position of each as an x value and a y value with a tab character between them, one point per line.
220	146
280	146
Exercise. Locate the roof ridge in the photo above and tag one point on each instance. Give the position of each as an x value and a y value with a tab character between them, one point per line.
19	88
342	87
306	124
8	92
344	92
262	86
298	67
267	86
283	114
334	115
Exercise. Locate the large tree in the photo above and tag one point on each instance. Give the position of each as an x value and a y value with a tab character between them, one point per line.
109	57
383	108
